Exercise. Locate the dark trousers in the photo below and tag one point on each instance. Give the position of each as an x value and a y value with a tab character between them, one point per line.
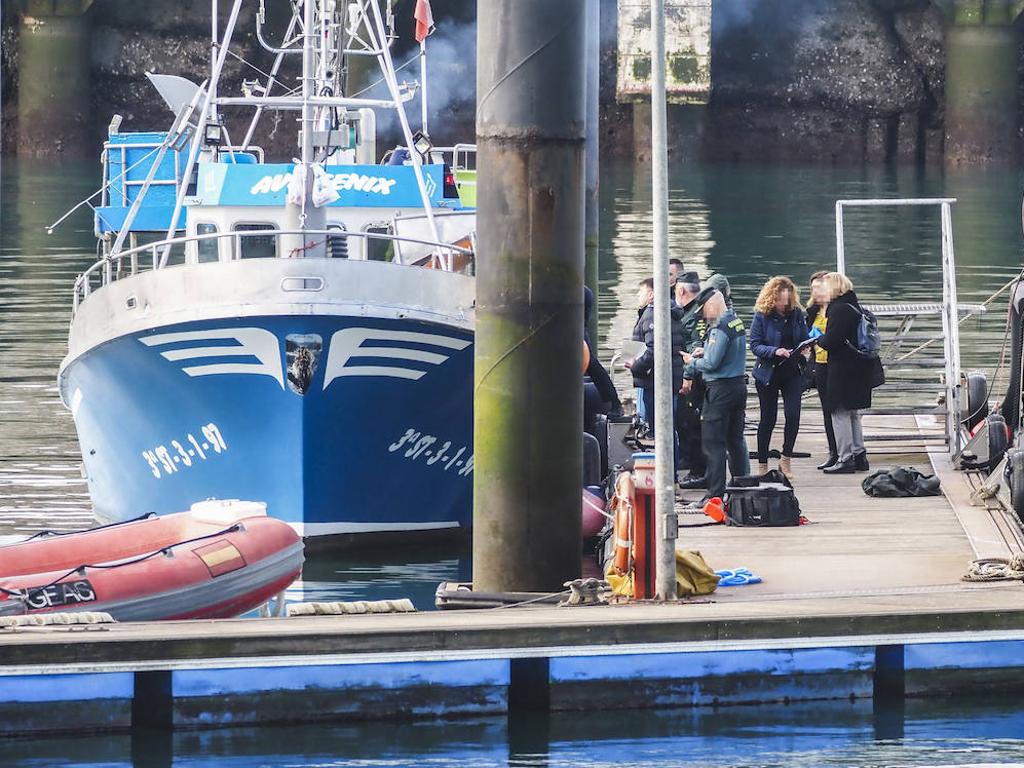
649	416
821	384
722	421
688	407
791	387
599	375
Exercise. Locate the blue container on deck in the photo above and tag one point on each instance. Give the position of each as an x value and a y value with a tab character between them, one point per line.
129	157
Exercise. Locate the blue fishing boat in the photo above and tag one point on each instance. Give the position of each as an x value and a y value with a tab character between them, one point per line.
295	332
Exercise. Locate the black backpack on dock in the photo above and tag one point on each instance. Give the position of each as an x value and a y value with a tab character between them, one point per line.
763	501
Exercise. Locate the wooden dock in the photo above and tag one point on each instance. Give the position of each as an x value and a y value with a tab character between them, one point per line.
865	601
855	544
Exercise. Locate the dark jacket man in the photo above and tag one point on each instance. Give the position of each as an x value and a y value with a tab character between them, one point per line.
643	366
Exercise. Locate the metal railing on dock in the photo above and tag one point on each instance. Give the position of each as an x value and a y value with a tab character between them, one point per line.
921	340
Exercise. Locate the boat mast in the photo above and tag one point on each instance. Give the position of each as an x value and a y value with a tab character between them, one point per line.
302	214
308	67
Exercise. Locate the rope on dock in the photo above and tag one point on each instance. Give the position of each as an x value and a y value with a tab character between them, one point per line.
55	619
996	569
346	608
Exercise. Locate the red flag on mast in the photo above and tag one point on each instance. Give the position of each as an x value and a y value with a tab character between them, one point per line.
424	20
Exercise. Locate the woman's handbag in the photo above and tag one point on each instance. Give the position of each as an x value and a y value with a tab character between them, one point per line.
876	372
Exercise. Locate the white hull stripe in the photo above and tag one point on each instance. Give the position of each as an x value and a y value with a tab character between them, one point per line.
307	530
251	342
347	344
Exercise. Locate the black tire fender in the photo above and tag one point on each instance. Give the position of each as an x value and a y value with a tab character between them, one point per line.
1015	480
998	440
977	399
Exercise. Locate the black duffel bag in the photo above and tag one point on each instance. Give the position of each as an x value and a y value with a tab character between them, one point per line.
764	505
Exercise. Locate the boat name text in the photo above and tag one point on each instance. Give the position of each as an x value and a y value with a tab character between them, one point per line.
357	182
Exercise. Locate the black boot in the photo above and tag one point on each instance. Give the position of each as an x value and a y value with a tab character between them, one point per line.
847	467
832	459
860	461
692	481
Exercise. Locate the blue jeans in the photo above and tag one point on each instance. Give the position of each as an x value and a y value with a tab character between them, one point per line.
647	400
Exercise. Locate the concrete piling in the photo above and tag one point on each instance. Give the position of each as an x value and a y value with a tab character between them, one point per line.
528	409
53	79
593	216
982	81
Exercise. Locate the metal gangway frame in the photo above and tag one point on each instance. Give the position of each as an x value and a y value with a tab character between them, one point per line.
949	310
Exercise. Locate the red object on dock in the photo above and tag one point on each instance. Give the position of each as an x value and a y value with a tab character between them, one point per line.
645	545
218	560
715	509
594	515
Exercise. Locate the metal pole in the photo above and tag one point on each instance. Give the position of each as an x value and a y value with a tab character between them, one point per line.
528	409
950	330
593	216
840	245
423	85
308	33
388	70
214	42
270	84
197	141
179	121
664	470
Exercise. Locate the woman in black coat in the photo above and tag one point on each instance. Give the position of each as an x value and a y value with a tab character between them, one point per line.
849	375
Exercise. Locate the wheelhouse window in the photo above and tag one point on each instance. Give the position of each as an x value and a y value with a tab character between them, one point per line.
378	249
206	250
256	246
337	245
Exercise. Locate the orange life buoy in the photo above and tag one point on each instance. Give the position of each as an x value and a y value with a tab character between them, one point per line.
625	493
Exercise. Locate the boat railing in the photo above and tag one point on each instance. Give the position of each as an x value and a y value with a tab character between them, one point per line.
147	257
460	157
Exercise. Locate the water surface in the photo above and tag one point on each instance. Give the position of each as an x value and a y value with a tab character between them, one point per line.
971	733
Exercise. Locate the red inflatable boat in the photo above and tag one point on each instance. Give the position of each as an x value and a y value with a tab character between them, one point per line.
218	560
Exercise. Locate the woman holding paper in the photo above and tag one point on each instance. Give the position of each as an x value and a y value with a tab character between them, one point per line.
817	320
779	327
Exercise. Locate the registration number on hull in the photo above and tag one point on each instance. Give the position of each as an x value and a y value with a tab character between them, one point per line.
64	593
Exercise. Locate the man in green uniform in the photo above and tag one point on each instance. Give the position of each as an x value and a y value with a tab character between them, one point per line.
722	362
690	300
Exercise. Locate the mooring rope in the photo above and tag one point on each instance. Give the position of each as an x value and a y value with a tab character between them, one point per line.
996	569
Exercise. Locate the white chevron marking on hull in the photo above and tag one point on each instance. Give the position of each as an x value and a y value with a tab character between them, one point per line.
252	342
347	344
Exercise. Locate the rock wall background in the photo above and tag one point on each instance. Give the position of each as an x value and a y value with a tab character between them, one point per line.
793	80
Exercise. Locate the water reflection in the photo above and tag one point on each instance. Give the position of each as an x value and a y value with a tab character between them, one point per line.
40	482
804	735
748	222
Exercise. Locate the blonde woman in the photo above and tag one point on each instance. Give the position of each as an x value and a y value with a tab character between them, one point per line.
779	326
848	389
817	322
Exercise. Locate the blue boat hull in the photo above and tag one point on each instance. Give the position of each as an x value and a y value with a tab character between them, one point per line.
341	424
